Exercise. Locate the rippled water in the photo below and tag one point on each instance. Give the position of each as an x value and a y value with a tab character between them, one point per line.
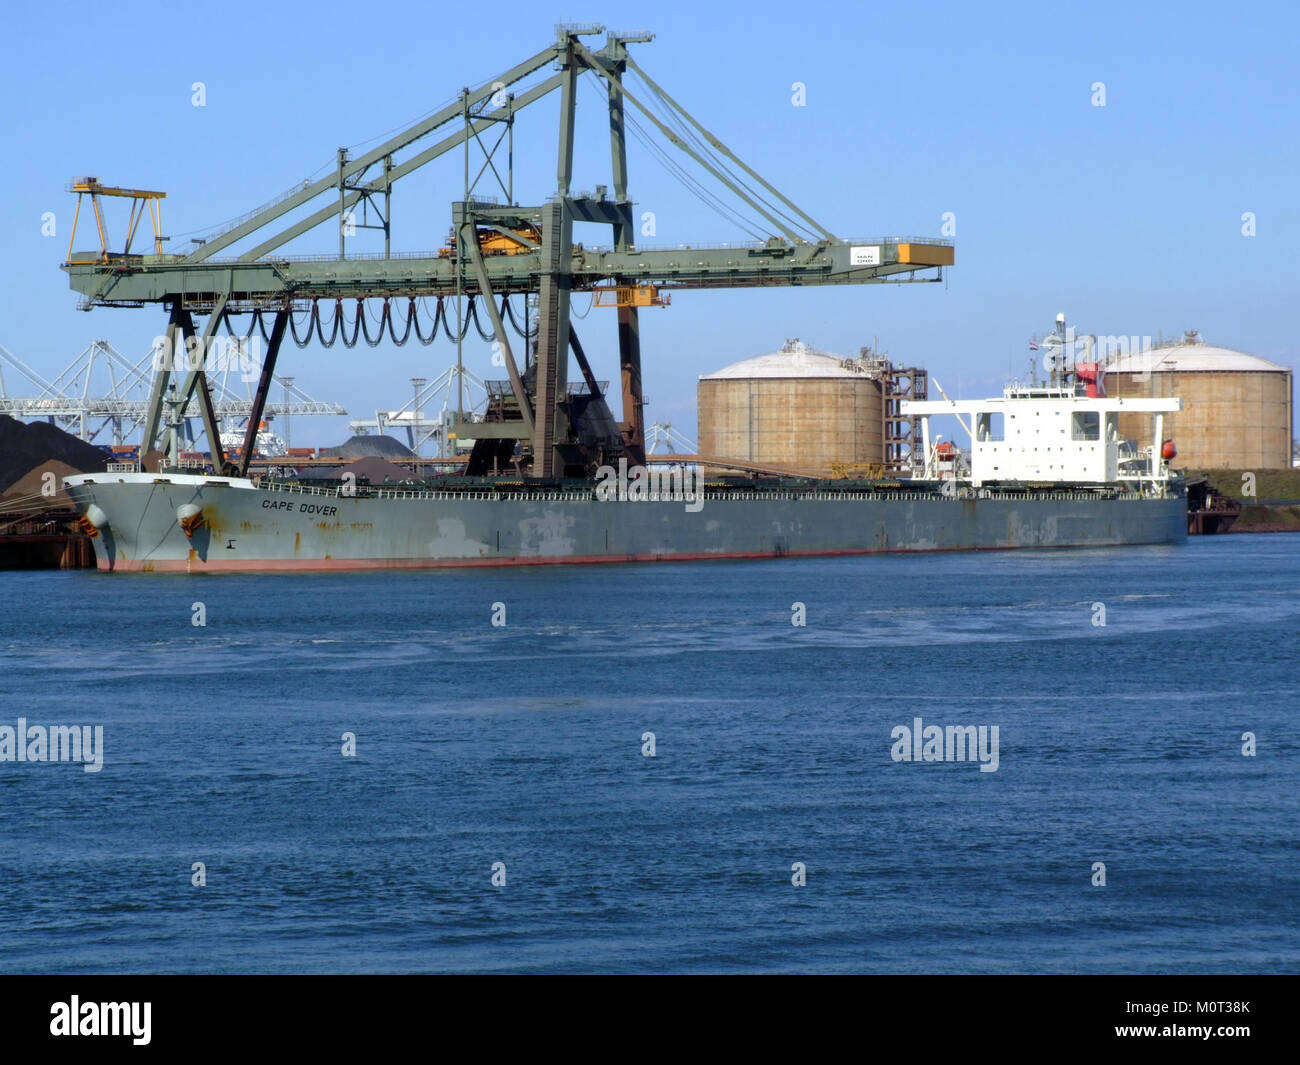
522	744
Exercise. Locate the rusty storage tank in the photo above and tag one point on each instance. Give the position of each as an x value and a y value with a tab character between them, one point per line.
1237	408
797	407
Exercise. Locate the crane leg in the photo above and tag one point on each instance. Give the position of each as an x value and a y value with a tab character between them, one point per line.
197	379
263	387
161	379
552	336
629	355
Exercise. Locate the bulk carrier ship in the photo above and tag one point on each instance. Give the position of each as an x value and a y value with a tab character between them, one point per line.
1046	469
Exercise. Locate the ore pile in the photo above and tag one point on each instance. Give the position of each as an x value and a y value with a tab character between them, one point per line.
362	446
25	449
372	469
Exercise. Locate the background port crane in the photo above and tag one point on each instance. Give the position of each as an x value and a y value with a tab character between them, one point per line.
498	250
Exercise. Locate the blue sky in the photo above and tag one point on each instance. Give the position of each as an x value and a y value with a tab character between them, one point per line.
1126	217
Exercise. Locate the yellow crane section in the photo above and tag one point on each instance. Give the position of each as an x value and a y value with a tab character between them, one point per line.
630	296
501	240
141	200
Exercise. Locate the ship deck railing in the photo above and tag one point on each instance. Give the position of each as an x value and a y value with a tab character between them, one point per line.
554	495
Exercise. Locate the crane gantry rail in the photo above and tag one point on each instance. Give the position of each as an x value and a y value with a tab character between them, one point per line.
499	250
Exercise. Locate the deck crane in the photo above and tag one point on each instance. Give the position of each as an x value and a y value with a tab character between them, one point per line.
499	250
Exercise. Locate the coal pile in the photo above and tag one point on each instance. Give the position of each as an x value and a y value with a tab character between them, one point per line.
374	470
24	448
362	446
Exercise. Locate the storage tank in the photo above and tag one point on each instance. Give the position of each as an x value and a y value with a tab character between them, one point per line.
1237	408
796	407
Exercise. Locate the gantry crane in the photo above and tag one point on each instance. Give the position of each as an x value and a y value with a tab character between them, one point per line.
102	392
498	250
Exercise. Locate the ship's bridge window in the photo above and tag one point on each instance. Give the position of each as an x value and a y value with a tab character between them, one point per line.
989	426
1086	425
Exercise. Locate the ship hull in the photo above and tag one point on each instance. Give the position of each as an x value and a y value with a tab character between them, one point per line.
245	527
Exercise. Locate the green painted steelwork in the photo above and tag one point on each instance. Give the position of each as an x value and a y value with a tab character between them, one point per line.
800	251
268	283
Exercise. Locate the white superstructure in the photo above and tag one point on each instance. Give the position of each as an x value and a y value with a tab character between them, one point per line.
1046	434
